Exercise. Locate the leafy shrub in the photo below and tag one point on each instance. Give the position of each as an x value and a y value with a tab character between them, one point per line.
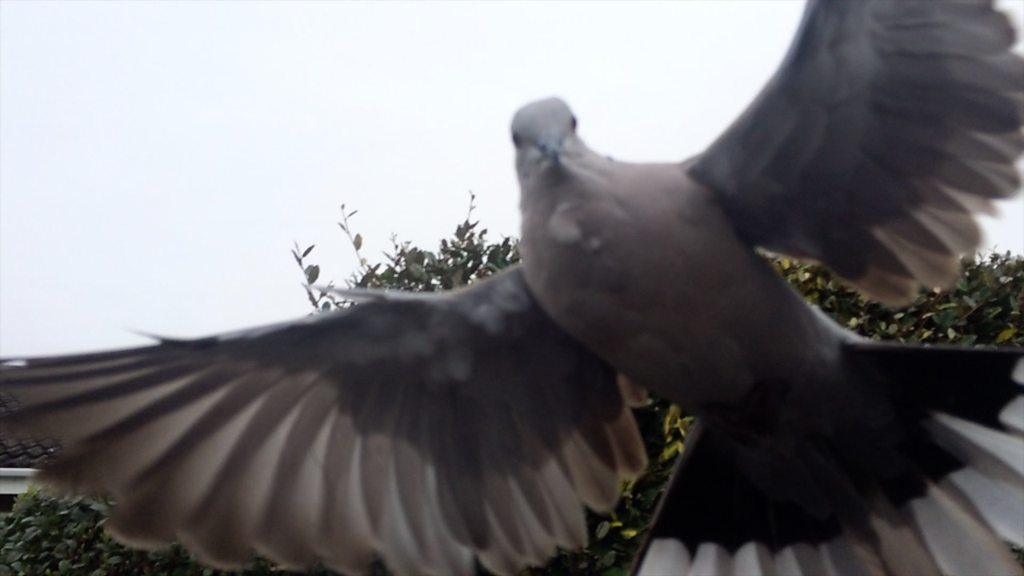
45	535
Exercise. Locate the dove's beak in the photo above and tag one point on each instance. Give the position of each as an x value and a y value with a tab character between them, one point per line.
551	149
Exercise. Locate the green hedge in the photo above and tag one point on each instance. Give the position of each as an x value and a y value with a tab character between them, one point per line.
45	535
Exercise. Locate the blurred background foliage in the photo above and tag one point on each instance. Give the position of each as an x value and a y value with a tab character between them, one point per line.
45	535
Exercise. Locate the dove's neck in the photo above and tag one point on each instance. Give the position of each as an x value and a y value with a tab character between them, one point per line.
577	176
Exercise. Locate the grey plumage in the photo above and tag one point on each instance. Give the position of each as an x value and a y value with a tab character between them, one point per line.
374	430
886	126
440	430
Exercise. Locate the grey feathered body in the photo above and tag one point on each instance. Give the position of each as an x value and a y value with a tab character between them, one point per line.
649	243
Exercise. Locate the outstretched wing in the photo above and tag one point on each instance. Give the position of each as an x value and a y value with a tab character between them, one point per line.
888	126
427	429
920	471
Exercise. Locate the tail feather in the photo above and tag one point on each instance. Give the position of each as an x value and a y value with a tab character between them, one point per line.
1012	416
936	488
848	555
998	455
999	504
711	559
899	544
755	559
957	541
666	556
799	560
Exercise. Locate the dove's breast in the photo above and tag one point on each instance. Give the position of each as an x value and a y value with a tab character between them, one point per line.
640	264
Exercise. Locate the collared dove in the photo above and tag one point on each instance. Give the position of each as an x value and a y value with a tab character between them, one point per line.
437	430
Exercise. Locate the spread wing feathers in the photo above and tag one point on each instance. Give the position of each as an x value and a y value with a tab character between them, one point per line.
887	127
428	430
931	484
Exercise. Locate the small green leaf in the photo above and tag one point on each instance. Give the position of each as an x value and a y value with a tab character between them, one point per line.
1006	335
671	450
357	242
312	273
607	560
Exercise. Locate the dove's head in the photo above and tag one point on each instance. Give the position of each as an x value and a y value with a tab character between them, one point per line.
543	132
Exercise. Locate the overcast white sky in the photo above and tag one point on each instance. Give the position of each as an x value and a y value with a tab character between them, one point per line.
158	160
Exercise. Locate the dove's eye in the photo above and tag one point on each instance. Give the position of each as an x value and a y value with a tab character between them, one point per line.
516	139
573	123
